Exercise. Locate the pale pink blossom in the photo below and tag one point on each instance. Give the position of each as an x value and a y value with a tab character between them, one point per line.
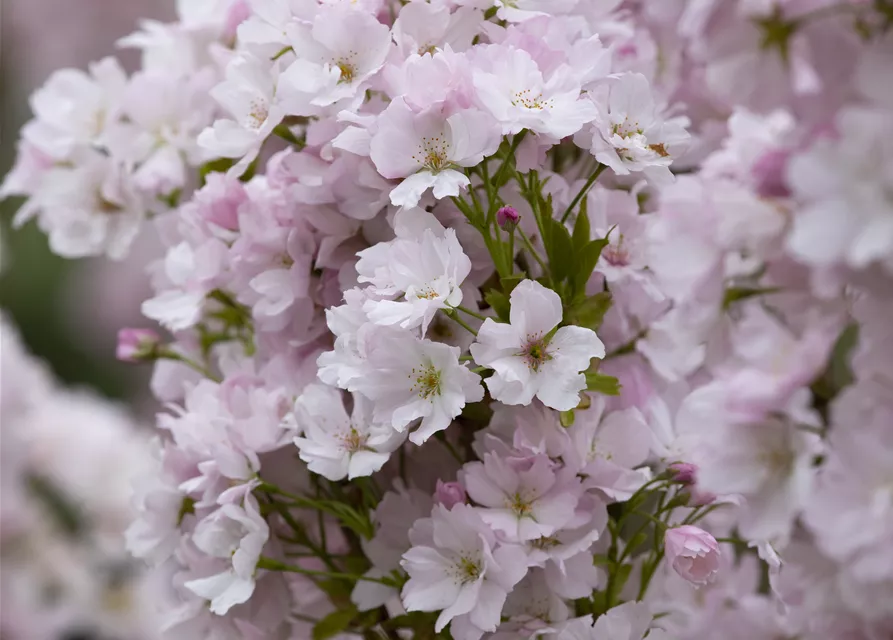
407	378
428	149
449	493
528	359
693	553
456	566
524	498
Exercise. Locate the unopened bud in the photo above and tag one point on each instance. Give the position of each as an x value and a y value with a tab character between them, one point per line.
683	472
135	345
769	174
449	494
507	217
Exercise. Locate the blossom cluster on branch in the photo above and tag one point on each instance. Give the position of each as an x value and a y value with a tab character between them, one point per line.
502	318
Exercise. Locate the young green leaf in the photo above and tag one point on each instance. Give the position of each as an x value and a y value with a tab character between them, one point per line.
590	312
600	383
499	302
582	229
334	623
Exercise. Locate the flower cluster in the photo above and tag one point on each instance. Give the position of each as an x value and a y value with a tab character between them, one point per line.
502	319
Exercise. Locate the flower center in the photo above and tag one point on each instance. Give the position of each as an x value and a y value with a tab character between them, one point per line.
659	149
348	71
353	441
519	505
616	254
106	206
535	352
625	129
428	293
258	114
428	48
529	100
427	382
467	569
778	461
433	154
546	542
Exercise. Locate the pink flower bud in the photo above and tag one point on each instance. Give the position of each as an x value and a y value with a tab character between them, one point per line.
449	494
693	553
684	472
507	217
135	345
769	174
687	474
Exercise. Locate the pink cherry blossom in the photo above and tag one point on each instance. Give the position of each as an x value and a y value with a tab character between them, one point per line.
693	553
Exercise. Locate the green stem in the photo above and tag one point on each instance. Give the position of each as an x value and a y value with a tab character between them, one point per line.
511	251
650	517
532	251
648	570
275	565
167	354
473	314
500	175
302	536
583	191
449	445
463	324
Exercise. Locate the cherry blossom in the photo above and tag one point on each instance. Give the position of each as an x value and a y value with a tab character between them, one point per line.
528	358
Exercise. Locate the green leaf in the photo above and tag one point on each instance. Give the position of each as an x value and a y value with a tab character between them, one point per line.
566	418
220	165
560	250
600	383
581	227
499	302
285	133
622	576
586	259
334	623
186	507
351	518
337	590
591	311
735	294
637	540
601	560
510	282
599	602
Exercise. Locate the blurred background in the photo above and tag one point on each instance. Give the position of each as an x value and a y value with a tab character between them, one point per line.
68	312
75	424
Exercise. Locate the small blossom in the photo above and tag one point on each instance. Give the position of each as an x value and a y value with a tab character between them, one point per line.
407	378
425	149
528	358
693	553
136	344
459	569
514	91
507	217
237	535
630	135
426	272
336	445
524	498
449	493
683	472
